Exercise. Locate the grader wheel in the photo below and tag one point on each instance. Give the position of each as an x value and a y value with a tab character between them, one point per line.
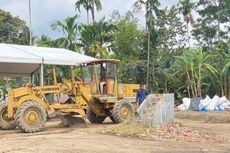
5	122
31	117
93	118
122	112
112	119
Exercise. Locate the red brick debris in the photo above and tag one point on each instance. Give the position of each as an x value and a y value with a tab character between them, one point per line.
182	133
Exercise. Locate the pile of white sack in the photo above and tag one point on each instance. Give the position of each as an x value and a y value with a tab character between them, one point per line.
207	104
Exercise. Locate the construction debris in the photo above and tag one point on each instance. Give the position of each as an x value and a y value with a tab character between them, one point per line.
173	131
179	132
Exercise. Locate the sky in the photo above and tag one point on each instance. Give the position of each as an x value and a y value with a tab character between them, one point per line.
46	12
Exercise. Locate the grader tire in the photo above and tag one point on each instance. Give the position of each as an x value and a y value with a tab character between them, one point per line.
112	119
122	112
93	118
5	123
31	117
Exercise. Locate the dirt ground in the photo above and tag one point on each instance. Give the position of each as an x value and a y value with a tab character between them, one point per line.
56	139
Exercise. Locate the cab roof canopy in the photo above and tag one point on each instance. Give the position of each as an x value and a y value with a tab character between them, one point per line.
24	60
98	61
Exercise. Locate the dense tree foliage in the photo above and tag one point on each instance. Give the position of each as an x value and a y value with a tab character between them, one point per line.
128	40
12	29
96	38
183	49
168	53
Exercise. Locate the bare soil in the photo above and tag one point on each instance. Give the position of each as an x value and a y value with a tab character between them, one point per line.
57	139
211	116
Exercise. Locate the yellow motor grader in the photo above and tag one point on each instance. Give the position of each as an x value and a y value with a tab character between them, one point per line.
95	93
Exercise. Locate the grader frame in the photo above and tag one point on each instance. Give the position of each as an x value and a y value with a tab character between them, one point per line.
28	106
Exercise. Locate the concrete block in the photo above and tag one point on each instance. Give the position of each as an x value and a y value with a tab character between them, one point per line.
157	109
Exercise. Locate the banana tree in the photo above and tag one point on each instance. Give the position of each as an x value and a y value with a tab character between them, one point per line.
203	64
225	85
193	65
184	67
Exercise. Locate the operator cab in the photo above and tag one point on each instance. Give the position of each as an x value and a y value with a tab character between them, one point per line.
101	75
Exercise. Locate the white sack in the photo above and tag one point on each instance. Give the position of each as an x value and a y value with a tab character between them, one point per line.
204	102
226	104
222	100
213	103
186	102
181	107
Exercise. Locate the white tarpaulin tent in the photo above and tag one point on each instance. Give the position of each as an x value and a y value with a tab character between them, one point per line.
24	60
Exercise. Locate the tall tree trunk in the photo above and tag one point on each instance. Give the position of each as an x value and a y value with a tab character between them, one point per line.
218	22
93	13
194	83
148	59
228	87
225	86
190	84
188	34
199	81
166	86
221	86
188	89
87	11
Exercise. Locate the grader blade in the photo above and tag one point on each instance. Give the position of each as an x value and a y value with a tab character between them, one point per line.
73	121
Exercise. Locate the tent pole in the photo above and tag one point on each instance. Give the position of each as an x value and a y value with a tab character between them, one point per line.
42	75
32	78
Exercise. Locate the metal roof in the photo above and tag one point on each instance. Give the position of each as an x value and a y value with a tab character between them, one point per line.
19	59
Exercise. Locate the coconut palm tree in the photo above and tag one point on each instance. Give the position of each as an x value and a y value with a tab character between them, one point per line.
185	7
89	5
69	28
95	4
44	41
151	13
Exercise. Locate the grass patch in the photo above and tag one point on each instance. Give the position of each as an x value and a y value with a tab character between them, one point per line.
134	130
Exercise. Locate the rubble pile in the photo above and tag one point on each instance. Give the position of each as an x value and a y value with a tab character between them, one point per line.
182	133
173	131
